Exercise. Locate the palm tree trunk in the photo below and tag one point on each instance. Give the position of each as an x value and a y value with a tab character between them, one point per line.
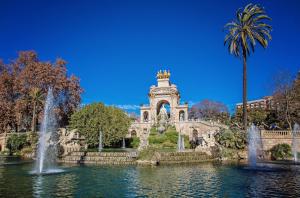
244	90
33	122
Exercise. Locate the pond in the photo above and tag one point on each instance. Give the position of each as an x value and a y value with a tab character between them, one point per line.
197	180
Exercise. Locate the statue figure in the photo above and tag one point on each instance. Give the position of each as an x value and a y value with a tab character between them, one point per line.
69	141
181	117
162	119
163	114
165	74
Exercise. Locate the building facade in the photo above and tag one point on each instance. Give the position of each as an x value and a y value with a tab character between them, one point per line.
265	103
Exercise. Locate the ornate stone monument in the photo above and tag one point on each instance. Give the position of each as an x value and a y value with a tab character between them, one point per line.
155	114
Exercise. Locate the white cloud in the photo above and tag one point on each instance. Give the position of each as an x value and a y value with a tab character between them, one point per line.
191	103
127	106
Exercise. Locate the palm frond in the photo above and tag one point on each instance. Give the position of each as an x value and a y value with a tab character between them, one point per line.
248	29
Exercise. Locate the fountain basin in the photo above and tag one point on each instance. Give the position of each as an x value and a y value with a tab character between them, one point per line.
48	172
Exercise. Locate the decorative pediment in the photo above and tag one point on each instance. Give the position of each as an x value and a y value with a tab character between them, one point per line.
164	91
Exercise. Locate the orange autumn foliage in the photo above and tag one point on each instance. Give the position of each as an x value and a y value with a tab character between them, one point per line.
27	73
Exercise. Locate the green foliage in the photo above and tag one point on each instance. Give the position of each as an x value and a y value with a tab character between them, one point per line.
135	142
26	150
281	151
91	119
233	139
16	142
167	140
32	139
248	29
255	116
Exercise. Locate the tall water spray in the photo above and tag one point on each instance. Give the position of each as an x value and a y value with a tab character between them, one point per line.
123	143
295	142
180	141
100	147
254	144
47	137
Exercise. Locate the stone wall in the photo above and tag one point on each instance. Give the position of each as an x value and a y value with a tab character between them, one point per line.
271	138
3	139
183	157
100	158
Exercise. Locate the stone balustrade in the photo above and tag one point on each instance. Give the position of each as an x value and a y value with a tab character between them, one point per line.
283	134
270	138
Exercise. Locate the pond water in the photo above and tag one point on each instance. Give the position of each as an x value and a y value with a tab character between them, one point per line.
197	180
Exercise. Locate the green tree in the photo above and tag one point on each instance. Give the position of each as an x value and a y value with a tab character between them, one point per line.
16	142
93	118
243	33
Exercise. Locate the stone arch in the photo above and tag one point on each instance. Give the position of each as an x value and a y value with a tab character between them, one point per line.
181	115
159	105
145	116
133	133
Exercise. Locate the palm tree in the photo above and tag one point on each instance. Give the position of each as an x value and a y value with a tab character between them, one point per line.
244	32
36	97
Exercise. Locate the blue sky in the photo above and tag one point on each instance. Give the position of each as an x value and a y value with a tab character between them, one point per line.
116	47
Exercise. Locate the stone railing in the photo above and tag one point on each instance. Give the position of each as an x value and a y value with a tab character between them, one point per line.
279	134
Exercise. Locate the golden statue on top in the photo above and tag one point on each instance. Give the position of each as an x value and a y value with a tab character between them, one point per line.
163	74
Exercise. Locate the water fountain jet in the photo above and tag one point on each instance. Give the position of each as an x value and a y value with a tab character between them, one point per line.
123	144
254	144
46	154
295	142
100	142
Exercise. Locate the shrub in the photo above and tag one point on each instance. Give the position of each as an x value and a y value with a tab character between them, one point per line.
281	151
168	144
233	139
167	140
135	142
32	139
16	142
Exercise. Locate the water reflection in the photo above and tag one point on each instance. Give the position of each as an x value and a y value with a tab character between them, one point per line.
198	180
38	186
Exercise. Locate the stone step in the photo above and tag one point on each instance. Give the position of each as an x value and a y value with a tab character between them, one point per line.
182	162
182	153
100	162
105	154
87	158
183	158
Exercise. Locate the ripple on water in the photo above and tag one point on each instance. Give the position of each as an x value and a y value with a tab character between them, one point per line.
202	180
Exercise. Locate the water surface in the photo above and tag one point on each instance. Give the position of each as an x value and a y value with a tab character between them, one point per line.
197	180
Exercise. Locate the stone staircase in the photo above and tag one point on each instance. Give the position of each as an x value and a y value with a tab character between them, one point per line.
183	157
116	158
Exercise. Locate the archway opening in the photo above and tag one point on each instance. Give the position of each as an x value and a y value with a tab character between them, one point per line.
146	116
163	104
181	115
133	133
